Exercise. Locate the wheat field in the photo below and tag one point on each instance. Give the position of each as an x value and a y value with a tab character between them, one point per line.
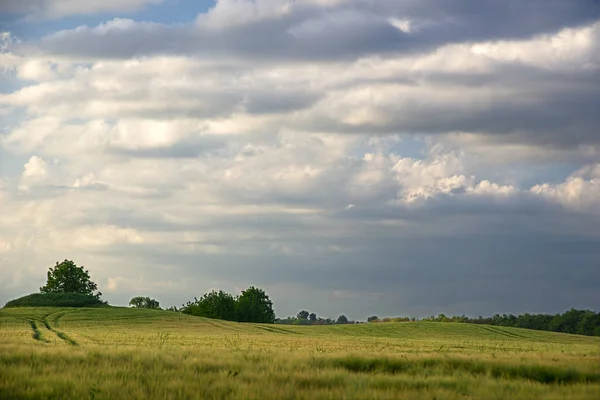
121	353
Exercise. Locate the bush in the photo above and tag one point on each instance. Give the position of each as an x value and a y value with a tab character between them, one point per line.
253	305
217	305
56	300
144	302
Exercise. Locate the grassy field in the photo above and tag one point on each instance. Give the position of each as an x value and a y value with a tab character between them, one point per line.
113	353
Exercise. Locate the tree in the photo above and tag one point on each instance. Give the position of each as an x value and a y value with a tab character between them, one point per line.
217	305
312	317
67	277
342	319
144	302
253	305
372	318
303	314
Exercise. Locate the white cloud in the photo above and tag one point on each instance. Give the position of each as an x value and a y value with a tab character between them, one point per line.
488	188
580	191
35	168
568	48
426	178
494	91
35	173
230	13
36	70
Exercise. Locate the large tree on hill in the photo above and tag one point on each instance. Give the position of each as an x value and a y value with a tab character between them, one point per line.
255	306
67	277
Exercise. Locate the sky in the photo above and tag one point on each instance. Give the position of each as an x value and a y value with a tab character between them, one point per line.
356	157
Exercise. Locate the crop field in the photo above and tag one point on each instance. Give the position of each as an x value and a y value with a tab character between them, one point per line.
114	353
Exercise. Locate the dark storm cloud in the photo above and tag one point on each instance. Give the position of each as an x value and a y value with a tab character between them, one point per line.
465	20
450	255
546	108
464	273
346	32
267	102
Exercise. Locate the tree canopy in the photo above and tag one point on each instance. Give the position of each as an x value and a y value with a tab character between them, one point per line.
303	314
67	277
217	305
144	302
253	305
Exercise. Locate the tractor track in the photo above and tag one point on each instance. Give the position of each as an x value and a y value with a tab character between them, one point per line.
37	334
499	331
58	333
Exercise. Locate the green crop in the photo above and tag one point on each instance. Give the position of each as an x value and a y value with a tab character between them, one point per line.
114	353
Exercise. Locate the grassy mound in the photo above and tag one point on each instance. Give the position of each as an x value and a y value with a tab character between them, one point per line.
56	300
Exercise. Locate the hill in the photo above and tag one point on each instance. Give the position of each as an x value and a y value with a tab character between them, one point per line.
115	352
56	300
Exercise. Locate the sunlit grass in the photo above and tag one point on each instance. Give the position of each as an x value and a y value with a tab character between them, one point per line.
129	353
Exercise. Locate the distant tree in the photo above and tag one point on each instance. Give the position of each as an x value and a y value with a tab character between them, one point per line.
372	318
312	317
144	302
255	306
301	322
67	277
342	319
303	314
172	308
286	321
589	323
217	305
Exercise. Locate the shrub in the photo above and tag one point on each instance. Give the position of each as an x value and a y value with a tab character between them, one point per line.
56	300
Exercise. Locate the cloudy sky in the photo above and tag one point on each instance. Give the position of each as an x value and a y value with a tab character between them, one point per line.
388	157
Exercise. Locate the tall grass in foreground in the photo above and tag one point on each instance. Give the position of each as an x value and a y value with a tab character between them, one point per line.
135	354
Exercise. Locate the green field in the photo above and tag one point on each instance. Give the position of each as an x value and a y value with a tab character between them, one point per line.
114	353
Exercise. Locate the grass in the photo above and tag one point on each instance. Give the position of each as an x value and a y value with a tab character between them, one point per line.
113	353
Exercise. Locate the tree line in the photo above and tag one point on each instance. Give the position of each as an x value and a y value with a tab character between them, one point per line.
580	322
307	318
